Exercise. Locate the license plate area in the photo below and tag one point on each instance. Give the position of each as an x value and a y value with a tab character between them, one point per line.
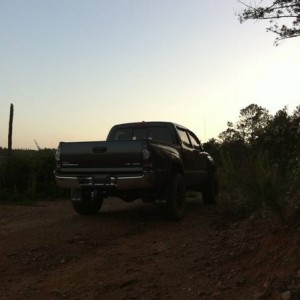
100	180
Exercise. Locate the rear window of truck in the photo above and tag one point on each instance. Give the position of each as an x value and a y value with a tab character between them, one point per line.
157	133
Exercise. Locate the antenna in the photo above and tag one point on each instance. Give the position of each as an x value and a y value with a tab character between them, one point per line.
37	145
204	129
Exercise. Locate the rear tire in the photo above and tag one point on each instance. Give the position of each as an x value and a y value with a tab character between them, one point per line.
210	190
86	202
176	201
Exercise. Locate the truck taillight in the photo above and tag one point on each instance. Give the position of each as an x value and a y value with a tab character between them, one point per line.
57	154
147	159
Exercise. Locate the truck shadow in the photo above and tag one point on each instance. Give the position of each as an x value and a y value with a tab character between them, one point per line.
114	208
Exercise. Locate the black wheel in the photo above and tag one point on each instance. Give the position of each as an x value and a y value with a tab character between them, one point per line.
86	202
175	202
210	190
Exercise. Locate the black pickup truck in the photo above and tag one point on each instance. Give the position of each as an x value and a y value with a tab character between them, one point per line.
154	161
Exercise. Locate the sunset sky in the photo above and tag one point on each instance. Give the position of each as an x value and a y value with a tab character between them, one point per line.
74	68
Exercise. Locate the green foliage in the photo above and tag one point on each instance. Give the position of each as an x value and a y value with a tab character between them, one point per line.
252	121
26	175
252	183
280	139
212	146
287	10
260	161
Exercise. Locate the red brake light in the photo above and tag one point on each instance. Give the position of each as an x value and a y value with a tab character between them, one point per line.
146	156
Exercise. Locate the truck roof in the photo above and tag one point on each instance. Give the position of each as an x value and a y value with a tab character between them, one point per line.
149	123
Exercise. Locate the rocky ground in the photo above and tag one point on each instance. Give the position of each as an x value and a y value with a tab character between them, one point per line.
129	251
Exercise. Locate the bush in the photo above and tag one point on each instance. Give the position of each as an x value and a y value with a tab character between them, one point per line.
250	184
26	175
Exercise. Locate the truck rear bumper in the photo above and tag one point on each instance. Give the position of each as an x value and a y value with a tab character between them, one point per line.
144	181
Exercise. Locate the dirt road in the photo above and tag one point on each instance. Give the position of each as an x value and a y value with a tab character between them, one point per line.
129	251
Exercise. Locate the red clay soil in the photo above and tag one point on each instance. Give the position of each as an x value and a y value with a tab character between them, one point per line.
129	251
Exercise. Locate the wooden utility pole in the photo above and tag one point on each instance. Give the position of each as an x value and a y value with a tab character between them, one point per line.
10	128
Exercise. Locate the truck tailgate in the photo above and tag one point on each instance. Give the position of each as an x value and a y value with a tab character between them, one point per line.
101	157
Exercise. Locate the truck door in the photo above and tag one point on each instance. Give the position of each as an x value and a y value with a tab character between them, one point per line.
187	155
199	158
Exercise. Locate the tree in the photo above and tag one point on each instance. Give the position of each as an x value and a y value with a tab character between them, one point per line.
295	128
279	140
287	10
253	120
231	134
212	146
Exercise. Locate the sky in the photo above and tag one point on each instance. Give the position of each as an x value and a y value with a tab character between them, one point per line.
75	68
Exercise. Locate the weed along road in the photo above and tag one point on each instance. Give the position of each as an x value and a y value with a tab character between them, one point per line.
129	251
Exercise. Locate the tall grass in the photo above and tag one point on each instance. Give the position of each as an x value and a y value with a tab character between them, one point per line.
249	181
27	175
252	183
